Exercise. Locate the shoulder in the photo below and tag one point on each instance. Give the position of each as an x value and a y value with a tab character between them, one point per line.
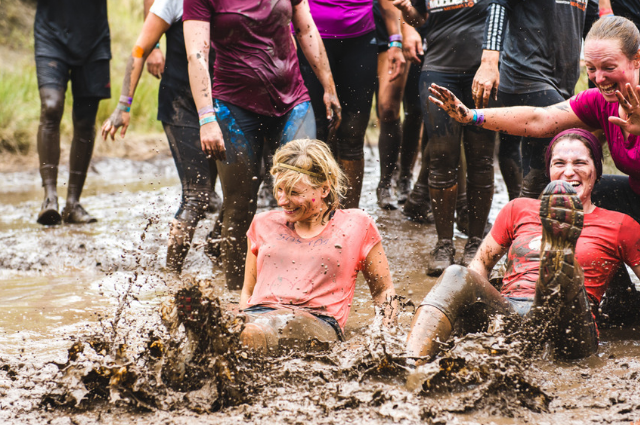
524	205
353	215
270	218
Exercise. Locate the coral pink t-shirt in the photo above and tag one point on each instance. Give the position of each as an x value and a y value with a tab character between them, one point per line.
608	238
317	274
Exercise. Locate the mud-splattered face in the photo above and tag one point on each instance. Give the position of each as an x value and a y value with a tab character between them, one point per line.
572	162
609	68
305	202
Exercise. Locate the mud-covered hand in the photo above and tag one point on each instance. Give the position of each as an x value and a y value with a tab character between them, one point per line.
155	63
452	105
629	100
118	119
487	79
212	141
334	110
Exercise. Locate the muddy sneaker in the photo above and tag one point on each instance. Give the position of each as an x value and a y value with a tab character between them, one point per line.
188	301
75	214
441	257
470	250
385	198
418	207
462	218
404	189
562	219
49	214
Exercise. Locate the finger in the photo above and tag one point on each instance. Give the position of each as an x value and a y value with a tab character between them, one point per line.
618	121
622	100
633	95
112	133
436	102
123	131
486	96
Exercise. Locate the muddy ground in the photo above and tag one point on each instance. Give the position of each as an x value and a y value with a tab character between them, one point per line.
100	286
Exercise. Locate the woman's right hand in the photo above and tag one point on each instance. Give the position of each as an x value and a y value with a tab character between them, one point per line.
403	5
446	100
118	119
212	141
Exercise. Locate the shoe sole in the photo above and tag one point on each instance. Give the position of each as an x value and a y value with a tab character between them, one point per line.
49	218
562	220
189	304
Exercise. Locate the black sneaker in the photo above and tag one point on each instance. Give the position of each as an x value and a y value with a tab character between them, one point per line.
441	257
470	250
75	214
49	215
189	305
404	189
562	219
418	206
385	198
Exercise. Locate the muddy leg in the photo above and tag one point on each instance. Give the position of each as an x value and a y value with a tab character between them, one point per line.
444	203
354	170
429	328
51	110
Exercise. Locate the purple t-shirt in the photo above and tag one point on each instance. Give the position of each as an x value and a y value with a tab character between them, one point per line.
593	110
256	65
342	18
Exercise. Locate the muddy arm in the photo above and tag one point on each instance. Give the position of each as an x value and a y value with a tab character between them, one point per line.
376	273
250	277
487	256
152	30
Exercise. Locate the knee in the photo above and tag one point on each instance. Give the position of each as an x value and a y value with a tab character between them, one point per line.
388	112
51	108
193	207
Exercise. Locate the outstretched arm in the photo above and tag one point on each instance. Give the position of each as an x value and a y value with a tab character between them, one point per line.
313	48
152	30
489	253
376	273
517	120
197	42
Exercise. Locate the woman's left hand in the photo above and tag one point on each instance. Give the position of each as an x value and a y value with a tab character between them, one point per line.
334	110
629	101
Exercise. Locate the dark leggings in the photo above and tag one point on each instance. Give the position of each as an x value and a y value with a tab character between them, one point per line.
194	170
467	297
412	124
354	65
444	135
84	133
532	150
246	134
614	193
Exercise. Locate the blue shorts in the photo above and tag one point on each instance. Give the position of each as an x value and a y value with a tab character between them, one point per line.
260	309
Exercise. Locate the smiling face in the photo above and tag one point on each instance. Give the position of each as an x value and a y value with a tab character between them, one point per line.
571	162
305	203
609	68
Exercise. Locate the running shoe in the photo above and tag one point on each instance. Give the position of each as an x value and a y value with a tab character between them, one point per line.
441	257
49	214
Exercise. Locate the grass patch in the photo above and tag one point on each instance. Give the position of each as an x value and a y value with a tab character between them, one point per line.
20	106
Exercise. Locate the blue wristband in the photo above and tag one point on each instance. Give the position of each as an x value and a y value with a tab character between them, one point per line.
207	120
397	44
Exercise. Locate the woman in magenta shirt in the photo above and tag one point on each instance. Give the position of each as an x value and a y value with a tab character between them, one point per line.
612	58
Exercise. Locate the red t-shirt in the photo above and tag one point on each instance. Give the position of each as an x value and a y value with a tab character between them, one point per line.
608	238
256	65
317	274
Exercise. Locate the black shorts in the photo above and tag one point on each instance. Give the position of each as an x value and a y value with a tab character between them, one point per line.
89	80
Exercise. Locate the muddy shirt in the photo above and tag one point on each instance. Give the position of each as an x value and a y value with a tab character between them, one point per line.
454	32
342	18
317	274
256	65
608	238
542	45
73	31
593	110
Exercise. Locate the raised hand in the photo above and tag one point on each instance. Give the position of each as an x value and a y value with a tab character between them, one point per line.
629	100
446	100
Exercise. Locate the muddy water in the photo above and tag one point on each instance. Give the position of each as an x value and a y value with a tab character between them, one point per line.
64	284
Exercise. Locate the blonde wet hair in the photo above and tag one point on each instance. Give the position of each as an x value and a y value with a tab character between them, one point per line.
617	28
309	161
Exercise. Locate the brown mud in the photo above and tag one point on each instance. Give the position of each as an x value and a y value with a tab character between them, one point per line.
83	339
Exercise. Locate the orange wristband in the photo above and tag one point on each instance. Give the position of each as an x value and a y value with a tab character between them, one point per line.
137	52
